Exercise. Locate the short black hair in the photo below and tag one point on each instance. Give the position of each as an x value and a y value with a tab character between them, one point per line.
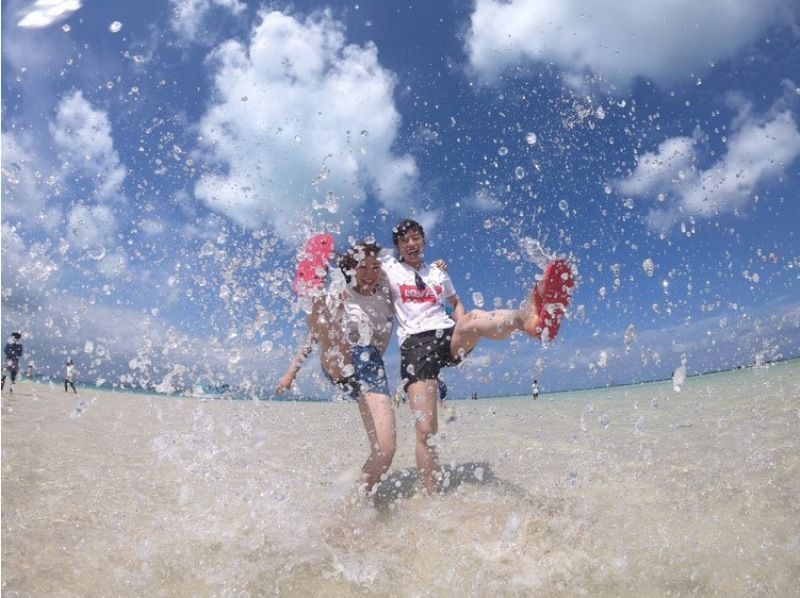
405	226
16	335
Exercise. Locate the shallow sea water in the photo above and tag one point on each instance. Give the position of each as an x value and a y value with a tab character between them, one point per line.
636	490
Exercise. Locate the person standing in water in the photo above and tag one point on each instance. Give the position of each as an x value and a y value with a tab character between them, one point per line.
535	390
13	352
70	375
430	339
353	328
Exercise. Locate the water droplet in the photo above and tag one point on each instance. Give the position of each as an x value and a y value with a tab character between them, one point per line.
563	205
503	151
630	336
648	266
115	27
96	253
66	28
477	299
519	172
678	378
530	138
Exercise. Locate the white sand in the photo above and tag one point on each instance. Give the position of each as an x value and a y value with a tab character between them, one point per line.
627	491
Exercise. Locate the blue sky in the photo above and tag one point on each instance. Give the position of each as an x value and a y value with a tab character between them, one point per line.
163	161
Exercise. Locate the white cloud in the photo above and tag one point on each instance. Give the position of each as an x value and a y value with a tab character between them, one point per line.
757	152
484	201
189	15
27	181
301	119
662	40
91	229
83	136
151	227
44	13
114	265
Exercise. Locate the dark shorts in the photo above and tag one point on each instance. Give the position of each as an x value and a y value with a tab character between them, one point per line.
348	386
369	374
423	355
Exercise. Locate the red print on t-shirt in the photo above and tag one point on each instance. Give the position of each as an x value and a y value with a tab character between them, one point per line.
409	293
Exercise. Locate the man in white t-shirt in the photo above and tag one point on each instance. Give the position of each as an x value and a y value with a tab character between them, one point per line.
430	339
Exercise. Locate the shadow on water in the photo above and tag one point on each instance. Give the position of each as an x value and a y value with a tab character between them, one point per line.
405	483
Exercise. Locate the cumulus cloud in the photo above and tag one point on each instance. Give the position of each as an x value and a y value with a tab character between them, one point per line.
303	123
758	150
83	136
189	15
91	227
44	13
662	40
27	181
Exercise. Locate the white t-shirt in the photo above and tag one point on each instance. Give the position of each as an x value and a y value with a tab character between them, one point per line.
418	310
368	318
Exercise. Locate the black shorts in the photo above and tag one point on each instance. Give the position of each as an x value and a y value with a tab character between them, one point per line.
423	355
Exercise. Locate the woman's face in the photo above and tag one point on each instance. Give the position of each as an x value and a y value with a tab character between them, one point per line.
368	273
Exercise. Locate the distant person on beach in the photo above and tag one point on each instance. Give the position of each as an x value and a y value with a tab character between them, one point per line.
535	390
29	372
70	375
430	339
353	326
442	391
13	352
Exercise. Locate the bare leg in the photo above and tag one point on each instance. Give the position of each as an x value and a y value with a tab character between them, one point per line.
478	324
326	327
378	416
423	398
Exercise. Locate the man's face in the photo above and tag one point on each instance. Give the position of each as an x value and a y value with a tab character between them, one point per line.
412	247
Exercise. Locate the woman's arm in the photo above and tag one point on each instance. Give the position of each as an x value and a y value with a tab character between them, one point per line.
285	382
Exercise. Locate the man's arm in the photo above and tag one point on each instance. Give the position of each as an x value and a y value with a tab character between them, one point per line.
458	307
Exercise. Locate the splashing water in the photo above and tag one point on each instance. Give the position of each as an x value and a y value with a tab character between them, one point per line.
629	337
679	378
534	252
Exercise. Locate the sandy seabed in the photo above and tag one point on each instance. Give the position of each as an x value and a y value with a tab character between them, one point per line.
625	491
